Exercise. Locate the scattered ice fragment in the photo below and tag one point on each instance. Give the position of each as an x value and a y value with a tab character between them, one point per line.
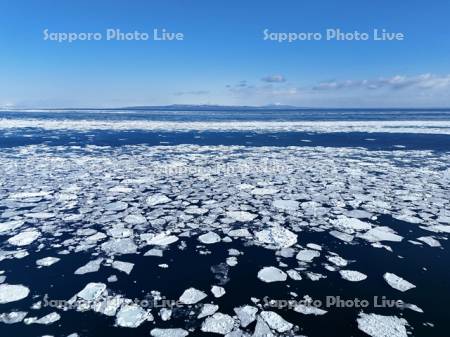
397	282
162	239
135	219
241	216
154	252
119	246
157	199
430	241
217	291
307	255
293	274
208	310
126	267
10	225
346	223
271	274
48	319
382	326
90	267
47	261
246	314
309	310
275	321
264	191
131	316
13	317
342	236
286	205
91	291
209	238
218	323
381	233
352	275
12	292
277	236
174	332
192	296
165	314
24	238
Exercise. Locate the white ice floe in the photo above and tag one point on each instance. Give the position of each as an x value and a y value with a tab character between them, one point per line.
165	314
381	233
135	219
48	319
345	223
12	292
293	274
382	326
397	282
47	261
131	316
241	216
218	323
120	246
217	291
309	310
264	191
246	314
208	310
161	239
277	237
154	252
275	321
286	205
92	291
209	238
174	332
430	241
24	238
125	267
90	267
192	296
271	274
13	317
10	225
307	255
157	199
352	275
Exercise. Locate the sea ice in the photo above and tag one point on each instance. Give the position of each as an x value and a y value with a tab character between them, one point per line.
131	316
174	332
12	292
277	237
275	321
192	296
286	205
126	267
246	314
209	238
24	238
217	291
397	282
271	274
352	275
382	326
47	261
218	323
307	255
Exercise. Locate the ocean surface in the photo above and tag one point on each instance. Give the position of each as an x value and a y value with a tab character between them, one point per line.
352	190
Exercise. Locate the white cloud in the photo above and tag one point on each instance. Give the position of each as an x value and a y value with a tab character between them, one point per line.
274	79
424	81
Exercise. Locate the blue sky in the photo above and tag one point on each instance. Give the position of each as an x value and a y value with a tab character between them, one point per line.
223	58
